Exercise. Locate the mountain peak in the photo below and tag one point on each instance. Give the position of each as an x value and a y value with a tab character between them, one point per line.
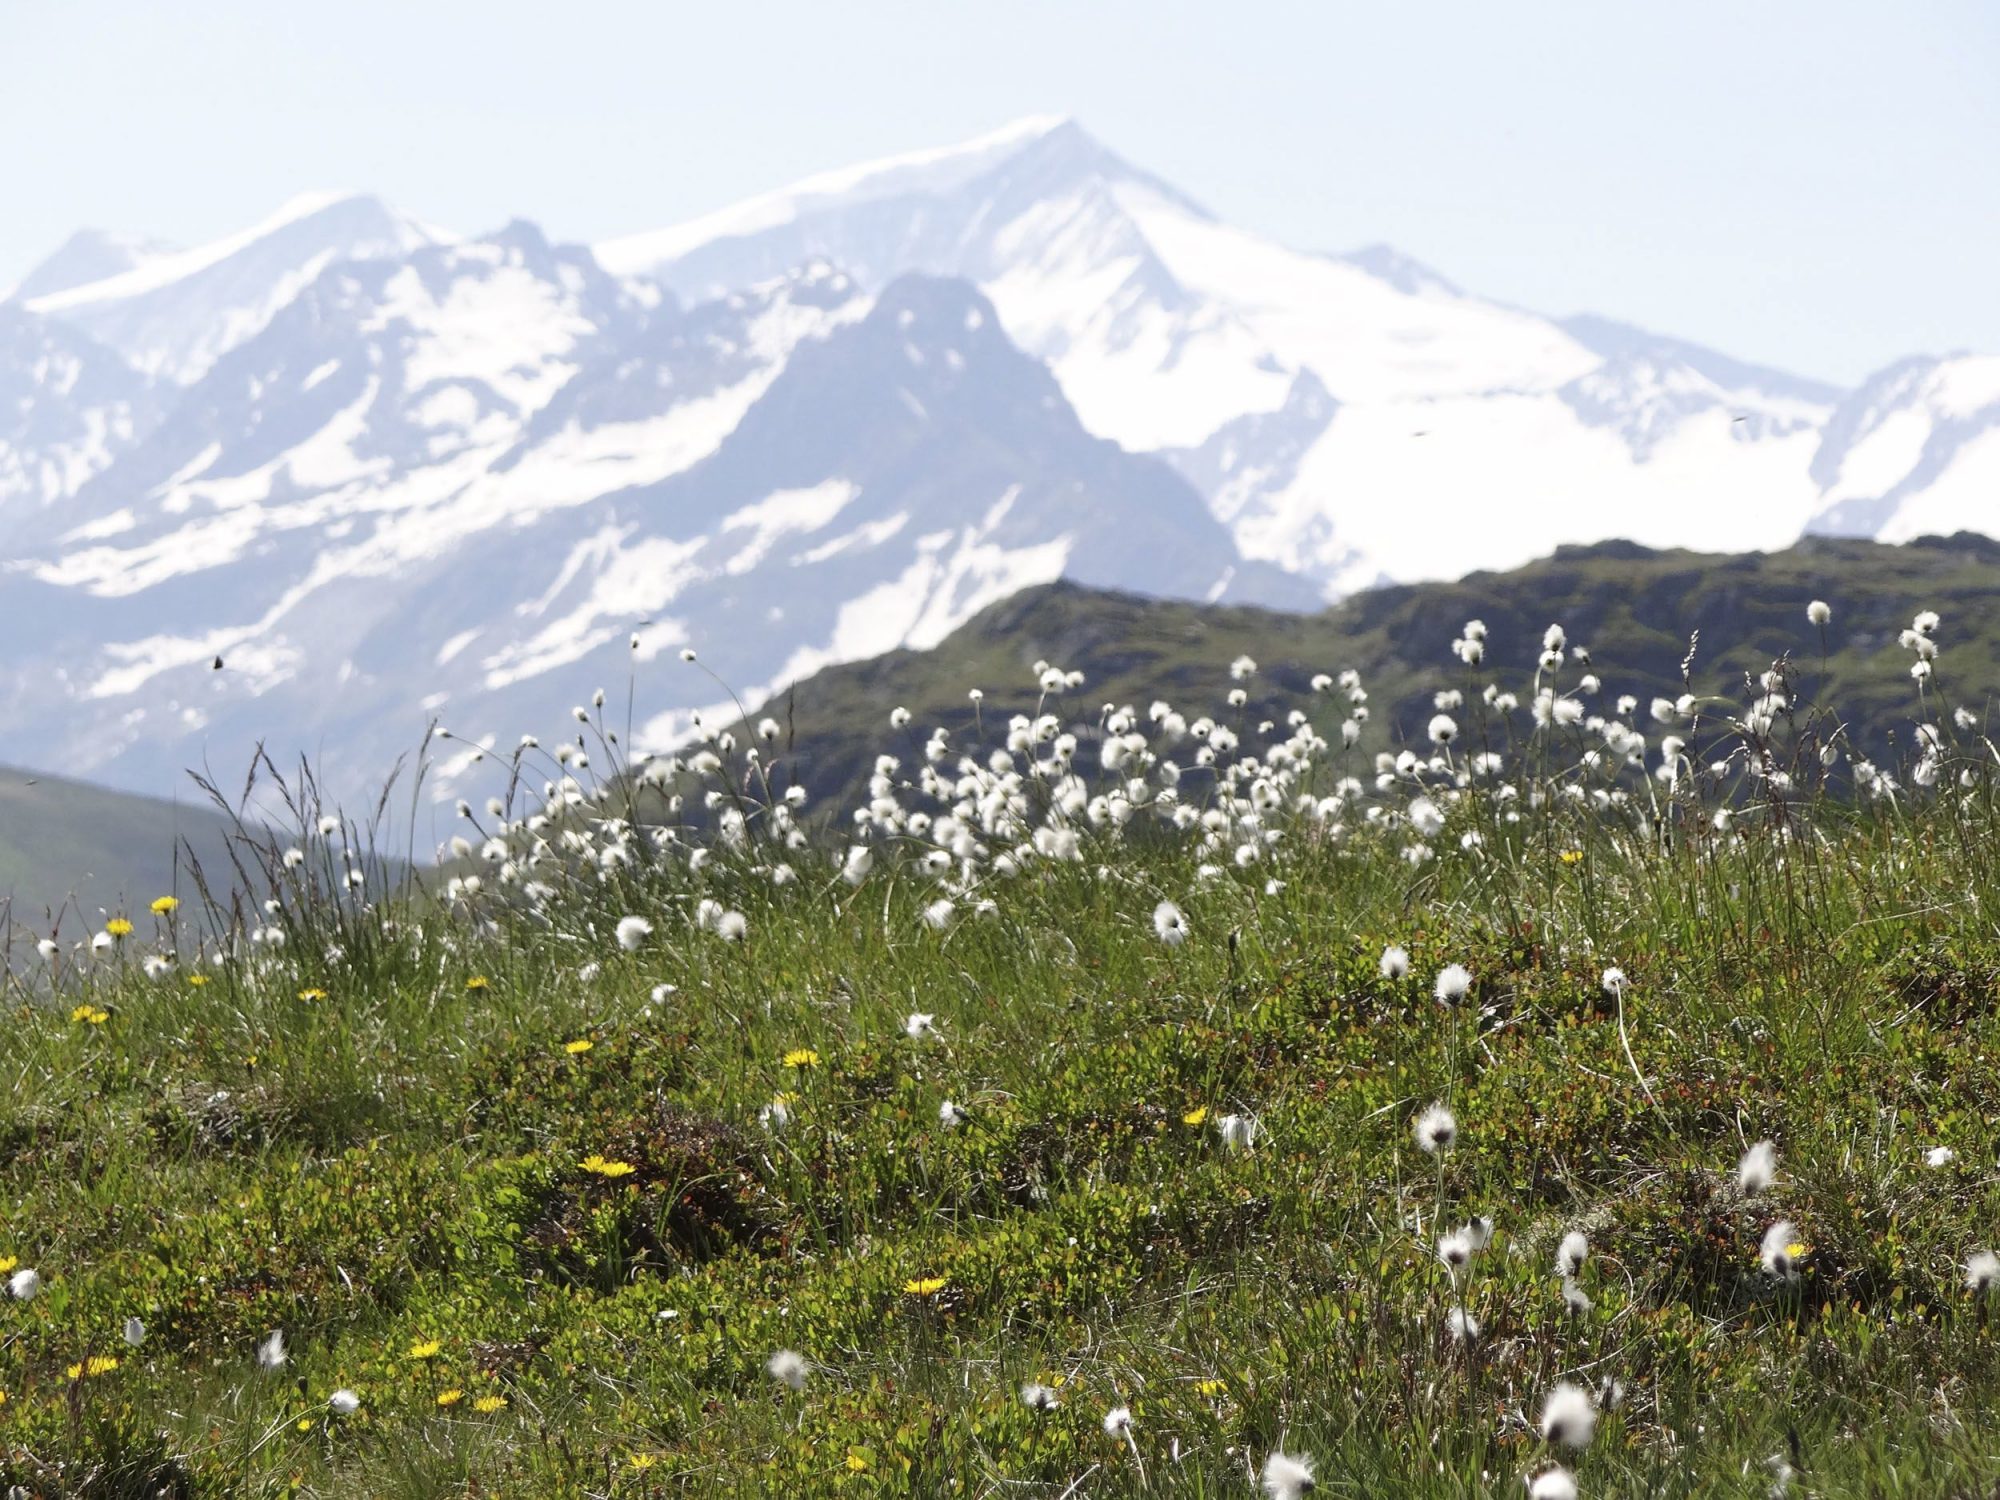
86	256
933	170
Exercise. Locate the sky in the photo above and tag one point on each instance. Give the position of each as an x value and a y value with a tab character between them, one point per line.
1812	185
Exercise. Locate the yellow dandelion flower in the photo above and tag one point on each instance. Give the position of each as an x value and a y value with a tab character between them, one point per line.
166	905
3	1398
95	1015
1798	1249
644	1461
1571	856
578	1047
119	927
479	982
426	1349
97	1364
856	1463
602	1166
451	1397
305	1424
8	1262
1210	1387
197	980
924	1286
490	1404
312	994
1196	1115
802	1057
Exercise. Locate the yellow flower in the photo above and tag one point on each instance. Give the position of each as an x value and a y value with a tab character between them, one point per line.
312	994
1798	1249
600	1166
1196	1115
426	1349
96	1015
856	1464
118	927
305	1424
451	1397
97	1364
802	1057
197	980
1210	1387
490	1404
1571	856
924	1286
3	1398
578	1047
644	1461
478	982
8	1262
166	906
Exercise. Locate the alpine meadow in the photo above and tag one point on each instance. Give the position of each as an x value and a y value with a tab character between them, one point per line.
1567	1093
1135	751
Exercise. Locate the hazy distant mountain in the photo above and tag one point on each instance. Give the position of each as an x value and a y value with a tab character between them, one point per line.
383	473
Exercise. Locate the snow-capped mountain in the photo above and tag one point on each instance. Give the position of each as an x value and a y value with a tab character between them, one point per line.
381	473
174	314
1915	451
1353	417
456	482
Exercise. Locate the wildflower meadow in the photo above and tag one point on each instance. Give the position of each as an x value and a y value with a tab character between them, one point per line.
1569	1093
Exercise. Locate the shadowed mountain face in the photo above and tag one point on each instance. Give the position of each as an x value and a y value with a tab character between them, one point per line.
385	475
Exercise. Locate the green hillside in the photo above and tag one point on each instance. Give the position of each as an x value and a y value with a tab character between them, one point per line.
72	850
1636	610
1184	1120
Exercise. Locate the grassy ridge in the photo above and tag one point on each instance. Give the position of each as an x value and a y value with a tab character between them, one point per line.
548	1203
1635	608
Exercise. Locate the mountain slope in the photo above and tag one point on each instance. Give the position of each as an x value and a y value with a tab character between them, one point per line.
1915	450
1508	433
1636	610
76	851
458	483
68	407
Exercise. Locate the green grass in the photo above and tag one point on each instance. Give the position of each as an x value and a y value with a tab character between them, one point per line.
397	1162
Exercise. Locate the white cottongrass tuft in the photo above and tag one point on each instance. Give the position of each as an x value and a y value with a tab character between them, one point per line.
1552	1484
950	1115
919	1024
1118	1422
1287	1476
1572	1253
1982	1272
1395	963
1454	982
1462	1325
25	1284
788	1367
1758	1168
1455	1250
732	927
1576	1301
775	1117
632	931
1038	1397
271	1353
1615	982
1569	1416
1819	612
1170	923
1238	1132
1940	1156
343	1403
1436	1129
135	1331
1780	1250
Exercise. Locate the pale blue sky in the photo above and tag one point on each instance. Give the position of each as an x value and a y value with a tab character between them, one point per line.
1815	185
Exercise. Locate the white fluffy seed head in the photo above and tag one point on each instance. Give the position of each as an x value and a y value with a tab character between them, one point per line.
1572	1253
1454	982
1395	963
1569	1416
1287	1476
1436	1129
1758	1168
788	1367
1982	1272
